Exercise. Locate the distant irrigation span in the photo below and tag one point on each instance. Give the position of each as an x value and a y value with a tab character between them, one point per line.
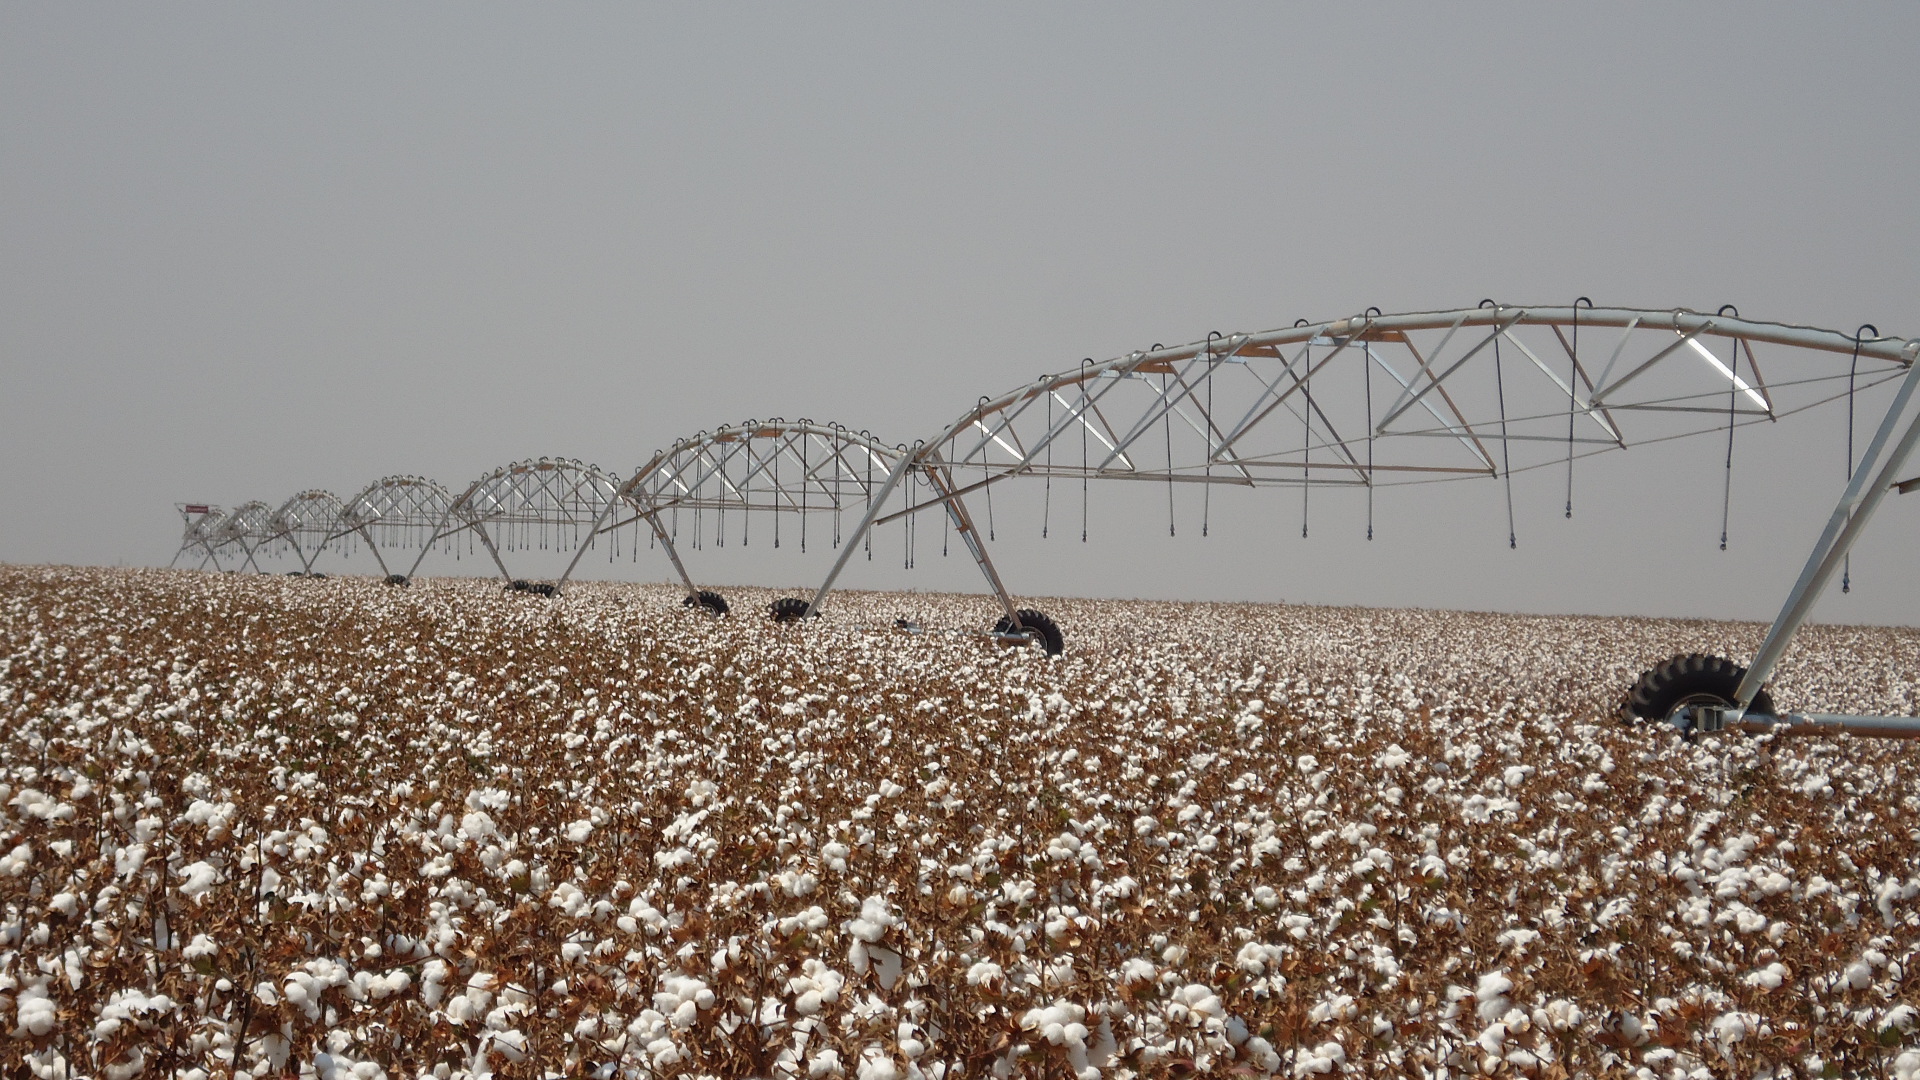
1370	402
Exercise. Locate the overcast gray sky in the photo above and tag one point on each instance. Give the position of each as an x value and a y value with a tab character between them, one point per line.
249	249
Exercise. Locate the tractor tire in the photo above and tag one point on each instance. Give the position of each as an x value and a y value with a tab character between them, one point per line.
710	602
1045	631
399	580
789	609
1690	679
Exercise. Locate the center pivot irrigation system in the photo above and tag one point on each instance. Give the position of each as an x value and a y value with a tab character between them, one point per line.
1368	402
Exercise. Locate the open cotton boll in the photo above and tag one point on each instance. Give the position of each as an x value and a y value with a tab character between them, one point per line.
35	1012
874	920
1490	996
877	1064
18	861
198	878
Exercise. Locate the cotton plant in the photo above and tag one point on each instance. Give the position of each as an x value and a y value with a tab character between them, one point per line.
248	826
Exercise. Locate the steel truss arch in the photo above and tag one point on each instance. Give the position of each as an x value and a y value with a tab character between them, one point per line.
539	503
308	523
1376	400
199	528
781	467
396	512
245	529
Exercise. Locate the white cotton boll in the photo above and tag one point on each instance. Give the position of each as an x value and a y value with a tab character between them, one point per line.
462	1008
35	1011
833	855
984	972
433	978
877	1064
512	1045
1901	1018
1321	1060
1340	1007
664	1053
18	861
825	1062
1195	1003
65	903
1734	1027
1265	898
1560	1015
1254	957
1857	975
1490	997
200	946
874	921
1137	969
1770	977
578	831
477	825
1907	1065
1493	1040
1144	825
568	898
199	878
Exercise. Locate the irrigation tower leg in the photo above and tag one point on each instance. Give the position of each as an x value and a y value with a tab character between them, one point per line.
433	538
672	553
487	542
375	548
598	521
963	524
1874	477
853	540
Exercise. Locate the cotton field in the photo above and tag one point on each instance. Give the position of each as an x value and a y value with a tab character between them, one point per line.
258	826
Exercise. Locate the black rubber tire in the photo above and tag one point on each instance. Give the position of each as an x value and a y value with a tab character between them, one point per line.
789	609
1037	622
316	575
543	588
708	601
400	580
1690	679
519	585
